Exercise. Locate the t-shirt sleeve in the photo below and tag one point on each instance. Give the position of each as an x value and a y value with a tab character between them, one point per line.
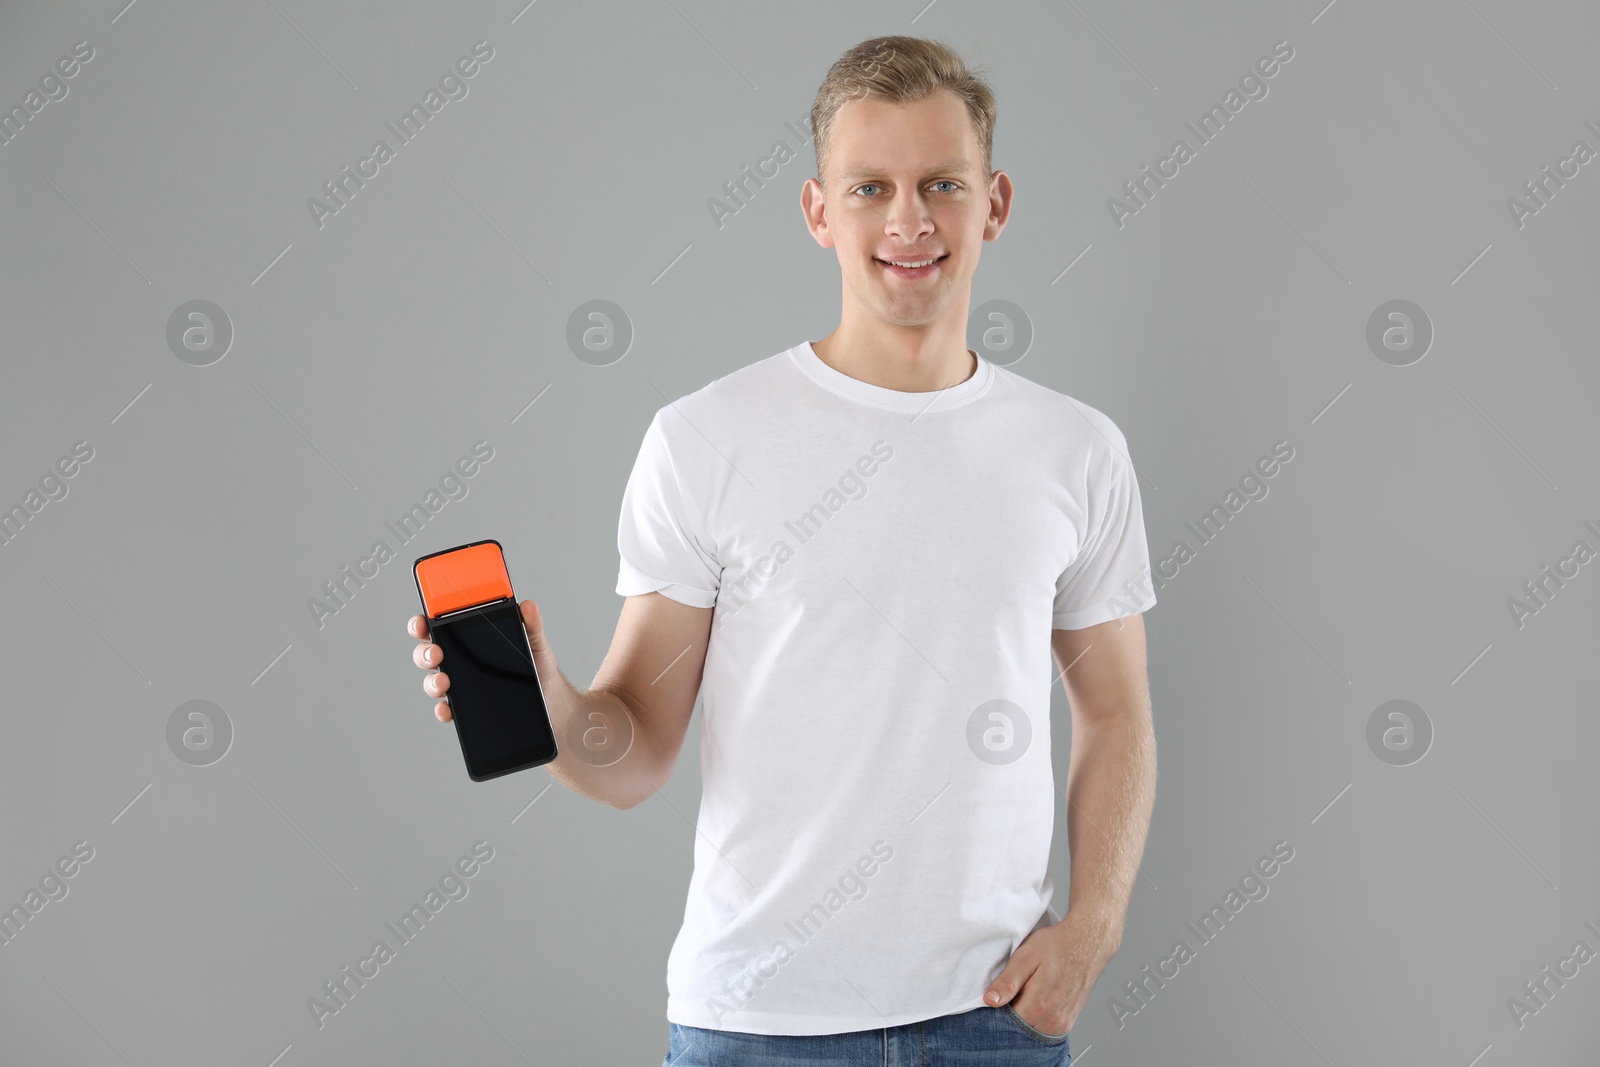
1110	576
660	536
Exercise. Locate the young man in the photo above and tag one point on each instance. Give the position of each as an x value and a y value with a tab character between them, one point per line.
858	545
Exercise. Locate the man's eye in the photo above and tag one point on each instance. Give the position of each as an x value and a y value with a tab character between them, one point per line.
944	181
867	186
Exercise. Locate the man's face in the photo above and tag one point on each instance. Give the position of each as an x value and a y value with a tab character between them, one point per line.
906	183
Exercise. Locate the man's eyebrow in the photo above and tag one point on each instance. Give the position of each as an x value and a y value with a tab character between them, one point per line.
953	166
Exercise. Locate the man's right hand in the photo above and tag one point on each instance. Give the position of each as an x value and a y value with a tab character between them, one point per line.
429	656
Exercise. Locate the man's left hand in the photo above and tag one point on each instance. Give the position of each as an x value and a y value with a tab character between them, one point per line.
1049	976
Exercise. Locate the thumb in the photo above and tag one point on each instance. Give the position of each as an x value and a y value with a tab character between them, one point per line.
544	659
1008	983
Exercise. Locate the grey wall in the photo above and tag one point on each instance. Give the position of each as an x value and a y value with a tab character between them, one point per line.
1232	311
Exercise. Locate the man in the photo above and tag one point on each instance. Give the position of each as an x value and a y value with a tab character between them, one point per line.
858	544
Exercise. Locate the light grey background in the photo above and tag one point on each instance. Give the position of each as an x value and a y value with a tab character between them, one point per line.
429	313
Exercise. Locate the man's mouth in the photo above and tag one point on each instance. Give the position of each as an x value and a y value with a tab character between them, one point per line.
913	268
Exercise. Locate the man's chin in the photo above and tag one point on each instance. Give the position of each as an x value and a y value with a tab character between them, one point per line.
903	314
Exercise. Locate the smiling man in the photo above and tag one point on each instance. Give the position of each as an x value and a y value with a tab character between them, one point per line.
882	703
862	552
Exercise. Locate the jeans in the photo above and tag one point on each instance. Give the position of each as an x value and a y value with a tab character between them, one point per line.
982	1037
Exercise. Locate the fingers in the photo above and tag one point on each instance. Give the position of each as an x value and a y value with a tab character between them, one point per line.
436	685
428	656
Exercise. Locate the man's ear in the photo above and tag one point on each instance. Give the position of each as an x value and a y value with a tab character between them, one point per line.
814	207
1000	194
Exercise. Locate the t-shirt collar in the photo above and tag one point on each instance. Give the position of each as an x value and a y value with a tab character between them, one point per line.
806	359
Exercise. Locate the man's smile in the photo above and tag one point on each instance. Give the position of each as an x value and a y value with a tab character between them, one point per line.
928	264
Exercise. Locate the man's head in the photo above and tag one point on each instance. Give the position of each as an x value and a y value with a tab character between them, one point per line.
904	135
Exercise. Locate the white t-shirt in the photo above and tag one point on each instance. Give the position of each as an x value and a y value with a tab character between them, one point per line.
886	567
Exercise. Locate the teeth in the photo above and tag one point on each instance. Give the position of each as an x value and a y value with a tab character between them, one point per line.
922	263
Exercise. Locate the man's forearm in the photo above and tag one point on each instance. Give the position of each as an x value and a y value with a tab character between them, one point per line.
615	779
1111	785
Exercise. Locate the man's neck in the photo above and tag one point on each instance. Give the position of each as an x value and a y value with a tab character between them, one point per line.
907	364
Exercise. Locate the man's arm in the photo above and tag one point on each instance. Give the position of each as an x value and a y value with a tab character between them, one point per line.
654	668
1111	782
1111	774
642	696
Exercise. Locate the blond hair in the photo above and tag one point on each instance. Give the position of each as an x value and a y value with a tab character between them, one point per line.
901	69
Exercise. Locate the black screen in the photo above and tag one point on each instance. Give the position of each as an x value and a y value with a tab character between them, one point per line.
494	693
